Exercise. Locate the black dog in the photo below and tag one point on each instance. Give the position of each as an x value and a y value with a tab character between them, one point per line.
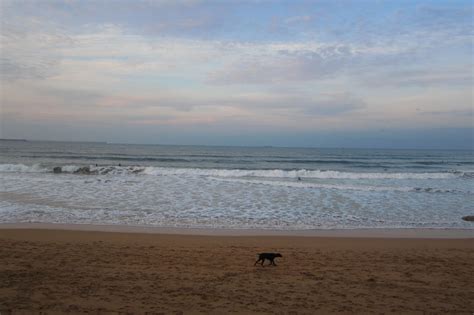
270	256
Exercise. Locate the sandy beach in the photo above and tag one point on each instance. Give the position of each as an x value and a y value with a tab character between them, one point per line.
65	271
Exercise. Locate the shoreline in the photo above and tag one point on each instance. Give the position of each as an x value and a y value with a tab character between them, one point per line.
399	233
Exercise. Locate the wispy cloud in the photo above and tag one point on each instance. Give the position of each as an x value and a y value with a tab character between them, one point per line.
453	76
468	112
302	66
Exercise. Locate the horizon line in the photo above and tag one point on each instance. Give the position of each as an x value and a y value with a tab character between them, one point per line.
238	146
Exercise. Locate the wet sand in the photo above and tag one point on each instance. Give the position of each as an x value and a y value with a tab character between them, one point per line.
60	271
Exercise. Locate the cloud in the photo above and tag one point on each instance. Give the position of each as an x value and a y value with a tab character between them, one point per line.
162	18
317	60
292	105
464	113
422	77
443	16
217	64
30	48
338	104
35	48
298	19
16	69
274	63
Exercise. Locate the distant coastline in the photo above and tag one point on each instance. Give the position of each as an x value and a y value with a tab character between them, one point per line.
60	141
22	140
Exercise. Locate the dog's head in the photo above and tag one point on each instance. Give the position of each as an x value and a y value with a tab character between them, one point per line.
278	255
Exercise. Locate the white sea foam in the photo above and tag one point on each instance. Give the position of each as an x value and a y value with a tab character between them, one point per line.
230	202
235	173
300	184
293	173
21	168
212	187
69	168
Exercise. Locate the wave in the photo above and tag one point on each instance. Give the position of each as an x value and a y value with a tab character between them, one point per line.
275	178
298	184
110	158
314	185
466	174
362	161
235	173
21	168
277	173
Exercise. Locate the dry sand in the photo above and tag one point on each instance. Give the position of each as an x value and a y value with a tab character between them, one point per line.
57	271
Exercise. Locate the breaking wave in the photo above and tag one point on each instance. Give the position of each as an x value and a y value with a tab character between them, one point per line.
317	174
21	168
298	184
234	173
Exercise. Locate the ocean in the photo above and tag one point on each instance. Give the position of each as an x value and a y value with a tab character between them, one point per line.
234	187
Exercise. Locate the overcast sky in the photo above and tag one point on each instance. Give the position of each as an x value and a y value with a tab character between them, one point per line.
287	73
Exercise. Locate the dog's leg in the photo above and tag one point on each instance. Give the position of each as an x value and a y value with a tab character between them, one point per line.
256	261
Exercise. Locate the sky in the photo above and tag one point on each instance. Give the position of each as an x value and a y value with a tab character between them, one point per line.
385	74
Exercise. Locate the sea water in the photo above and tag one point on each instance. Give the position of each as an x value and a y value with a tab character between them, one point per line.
235	187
